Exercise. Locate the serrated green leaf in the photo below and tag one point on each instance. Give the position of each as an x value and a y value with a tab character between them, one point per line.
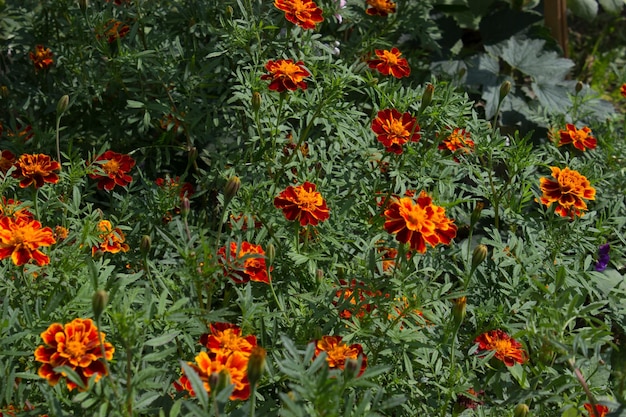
553	97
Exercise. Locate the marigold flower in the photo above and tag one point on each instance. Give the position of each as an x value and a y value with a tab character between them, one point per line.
235	365
601	410
112	239
115	167
458	140
507	349
418	223
568	191
303	13
302	203
337	352
113	30
394	129
380	7
623	90
253	268
76	345
20	239
173	185
22	133
285	75
14	209
41	57
226	338
389	62
354	295
469	401
580	138
36	169
7	160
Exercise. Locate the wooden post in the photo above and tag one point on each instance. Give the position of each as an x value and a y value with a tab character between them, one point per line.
555	14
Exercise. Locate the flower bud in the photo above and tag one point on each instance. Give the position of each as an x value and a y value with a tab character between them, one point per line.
476	213
62	104
351	367
256	101
521	410
319	276
479	255
4	92
232	186
83	5
256	364
218	381
99	302
192	154
145	244
186	208
505	88
579	87
270	253
459	306
229	11
427	97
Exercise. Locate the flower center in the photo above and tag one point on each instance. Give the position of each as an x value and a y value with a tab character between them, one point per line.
308	201
111	166
75	349
415	216
379	4
390	57
337	356
298	6
289	69
396	128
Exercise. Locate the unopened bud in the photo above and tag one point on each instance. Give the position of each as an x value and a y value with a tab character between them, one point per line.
62	105
99	302
186	207
219	380
256	101
319	275
459	306
505	88
232	186
145	244
4	92
229	11
351	367
83	5
256	364
479	255
97	254
427	97
521	410
579	86
192	154
476	213
270	253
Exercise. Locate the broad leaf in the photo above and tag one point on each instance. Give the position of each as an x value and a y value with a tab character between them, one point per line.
587	9
552	96
612	6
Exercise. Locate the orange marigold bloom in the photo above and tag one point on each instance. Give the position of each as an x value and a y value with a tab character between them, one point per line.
568	191
7	160
116	167
235	365
112	239
418	223
458	140
389	62
76	345
42	58
173	185
338	352
253	258
380	7
61	232
36	169
114	30
226	338
507	349
601	410
303	13
623	90
580	138
354	295
285	75
20	239
302	203
394	129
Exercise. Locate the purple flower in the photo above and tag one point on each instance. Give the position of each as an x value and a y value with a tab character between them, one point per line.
603	257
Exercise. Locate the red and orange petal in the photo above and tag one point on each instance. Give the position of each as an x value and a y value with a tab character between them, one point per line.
285	75
303	204
337	352
41	57
206	364
112	240
75	345
419	222
393	129
7	160
507	349
568	191
580	138
459	139
380	7
601	410
115	167
354	295
623	90
390	63
245	264
21	238
36	169
303	13
114	30
226	338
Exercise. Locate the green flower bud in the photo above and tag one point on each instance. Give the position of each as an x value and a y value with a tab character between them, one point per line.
83	5
232	187
476	213
256	364
459	306
351	367
505	88
521	410
270	253
4	92
62	105
256	101
579	86
427	97
145	244
99	302
479	255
